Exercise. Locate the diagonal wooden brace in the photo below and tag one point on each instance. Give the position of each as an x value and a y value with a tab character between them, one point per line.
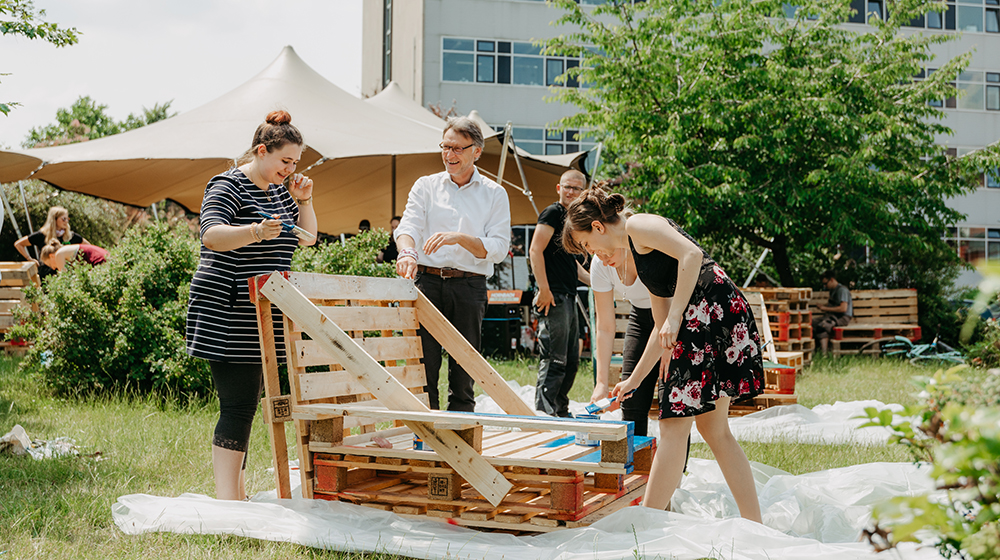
446	443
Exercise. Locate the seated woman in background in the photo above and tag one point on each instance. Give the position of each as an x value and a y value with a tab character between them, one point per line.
56	227
56	255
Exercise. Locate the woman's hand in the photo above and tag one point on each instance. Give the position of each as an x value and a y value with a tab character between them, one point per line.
268	229
625	389
600	392
668	333
300	186
665	364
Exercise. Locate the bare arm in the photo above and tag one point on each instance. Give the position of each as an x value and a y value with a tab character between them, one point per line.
301	187
468	242
406	266
222	238
536	253
581	274
22	247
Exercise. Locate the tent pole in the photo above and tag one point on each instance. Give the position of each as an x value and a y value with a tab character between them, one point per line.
393	214
24	202
156	214
597	162
13	219
524	180
756	267
503	150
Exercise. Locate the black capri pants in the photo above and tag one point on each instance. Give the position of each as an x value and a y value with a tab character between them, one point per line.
239	387
636	407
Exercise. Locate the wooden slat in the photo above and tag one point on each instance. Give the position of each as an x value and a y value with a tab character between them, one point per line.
272	388
311	353
471	361
314	386
328	287
371	318
597	429
12	293
447	444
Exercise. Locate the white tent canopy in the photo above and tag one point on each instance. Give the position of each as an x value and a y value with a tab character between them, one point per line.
356	142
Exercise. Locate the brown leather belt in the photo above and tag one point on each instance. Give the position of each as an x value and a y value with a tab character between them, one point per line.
448	272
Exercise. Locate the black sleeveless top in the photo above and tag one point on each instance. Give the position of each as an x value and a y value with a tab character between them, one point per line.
658	270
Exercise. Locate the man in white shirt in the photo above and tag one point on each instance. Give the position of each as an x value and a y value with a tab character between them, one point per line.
461	222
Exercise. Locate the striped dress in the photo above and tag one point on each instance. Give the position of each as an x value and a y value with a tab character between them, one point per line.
222	321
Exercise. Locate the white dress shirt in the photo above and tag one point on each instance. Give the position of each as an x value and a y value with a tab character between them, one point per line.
604	278
480	208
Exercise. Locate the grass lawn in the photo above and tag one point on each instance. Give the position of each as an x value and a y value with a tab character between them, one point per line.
61	508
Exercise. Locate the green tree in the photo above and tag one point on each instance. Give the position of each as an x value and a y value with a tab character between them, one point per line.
87	120
799	135
18	17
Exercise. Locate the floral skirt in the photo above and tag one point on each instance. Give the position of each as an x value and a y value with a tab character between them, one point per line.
718	349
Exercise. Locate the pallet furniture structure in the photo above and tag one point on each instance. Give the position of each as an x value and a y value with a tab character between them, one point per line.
778	389
790	314
878	314
14	278
364	433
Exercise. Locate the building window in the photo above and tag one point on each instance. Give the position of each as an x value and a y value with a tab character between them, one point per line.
992	179
976	91
548	141
993	91
975	16
975	243
502	62
386	42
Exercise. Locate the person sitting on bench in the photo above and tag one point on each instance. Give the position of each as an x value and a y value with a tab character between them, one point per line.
838	311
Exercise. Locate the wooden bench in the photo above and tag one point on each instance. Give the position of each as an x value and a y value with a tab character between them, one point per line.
365	435
14	278
878	314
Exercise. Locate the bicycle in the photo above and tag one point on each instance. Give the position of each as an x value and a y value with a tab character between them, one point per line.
902	347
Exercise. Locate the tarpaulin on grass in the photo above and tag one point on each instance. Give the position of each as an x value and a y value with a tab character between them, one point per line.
817	516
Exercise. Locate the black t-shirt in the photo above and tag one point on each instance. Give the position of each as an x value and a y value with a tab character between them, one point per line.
560	266
38	239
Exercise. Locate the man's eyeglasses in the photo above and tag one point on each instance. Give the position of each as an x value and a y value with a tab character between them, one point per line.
457	150
572	188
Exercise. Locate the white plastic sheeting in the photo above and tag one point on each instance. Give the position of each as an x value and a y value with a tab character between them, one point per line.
817	516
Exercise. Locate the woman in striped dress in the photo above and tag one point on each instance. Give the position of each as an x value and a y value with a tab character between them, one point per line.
237	243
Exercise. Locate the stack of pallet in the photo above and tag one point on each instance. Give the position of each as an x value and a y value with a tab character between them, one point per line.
878	314
14	278
790	317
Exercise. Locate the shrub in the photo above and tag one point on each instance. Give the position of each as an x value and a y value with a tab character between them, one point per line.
121	325
957	429
354	256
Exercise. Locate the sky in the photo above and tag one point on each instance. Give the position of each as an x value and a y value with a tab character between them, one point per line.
137	53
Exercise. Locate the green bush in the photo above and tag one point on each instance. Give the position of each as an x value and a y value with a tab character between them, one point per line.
120	326
354	256
957	429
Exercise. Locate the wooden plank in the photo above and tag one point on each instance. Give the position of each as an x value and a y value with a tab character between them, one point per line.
311	353
472	361
452	448
357	318
322	385
272	388
598	429
330	287
12	293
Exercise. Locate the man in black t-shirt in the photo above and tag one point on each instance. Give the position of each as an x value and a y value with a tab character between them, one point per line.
556	273
837	312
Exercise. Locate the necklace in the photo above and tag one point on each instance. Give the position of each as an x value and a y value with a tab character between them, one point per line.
252	169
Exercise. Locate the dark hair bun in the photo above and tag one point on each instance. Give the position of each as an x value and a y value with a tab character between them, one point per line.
278	117
608	204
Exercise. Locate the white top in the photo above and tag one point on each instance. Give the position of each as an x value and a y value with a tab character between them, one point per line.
480	208
604	278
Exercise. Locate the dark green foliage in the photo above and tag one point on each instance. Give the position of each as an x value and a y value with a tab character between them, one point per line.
87	120
798	135
121	325
353	257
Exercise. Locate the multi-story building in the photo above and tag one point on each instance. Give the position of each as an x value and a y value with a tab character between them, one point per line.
479	54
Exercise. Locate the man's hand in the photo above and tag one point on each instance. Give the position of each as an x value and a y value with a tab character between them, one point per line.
544	300
441	239
406	267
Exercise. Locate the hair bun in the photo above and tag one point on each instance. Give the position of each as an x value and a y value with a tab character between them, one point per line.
278	117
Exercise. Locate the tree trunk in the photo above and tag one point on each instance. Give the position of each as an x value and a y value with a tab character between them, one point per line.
781	262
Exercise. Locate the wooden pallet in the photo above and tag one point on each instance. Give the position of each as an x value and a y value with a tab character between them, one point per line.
789	294
760	402
14	278
879	306
869	331
789	317
364	433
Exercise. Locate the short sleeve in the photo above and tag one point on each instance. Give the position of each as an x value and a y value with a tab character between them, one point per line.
37	239
600	280
221	203
75	238
552	218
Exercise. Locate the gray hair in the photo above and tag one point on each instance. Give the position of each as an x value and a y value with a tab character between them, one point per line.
466	127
